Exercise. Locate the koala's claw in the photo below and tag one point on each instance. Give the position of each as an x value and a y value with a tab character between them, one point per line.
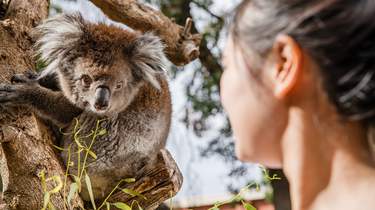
6	88
7	93
31	74
18	78
14	93
27	77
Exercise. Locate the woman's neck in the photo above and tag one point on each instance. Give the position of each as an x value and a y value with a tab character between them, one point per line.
320	154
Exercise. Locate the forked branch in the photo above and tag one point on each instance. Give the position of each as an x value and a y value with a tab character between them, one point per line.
182	46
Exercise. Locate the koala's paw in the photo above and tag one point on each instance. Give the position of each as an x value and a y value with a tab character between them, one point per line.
27	77
14	93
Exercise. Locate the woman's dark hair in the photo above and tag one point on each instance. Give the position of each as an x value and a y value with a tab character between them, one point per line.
338	34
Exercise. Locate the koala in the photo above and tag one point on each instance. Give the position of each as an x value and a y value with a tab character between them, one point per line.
99	72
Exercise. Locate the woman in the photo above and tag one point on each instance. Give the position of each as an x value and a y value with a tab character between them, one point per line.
299	89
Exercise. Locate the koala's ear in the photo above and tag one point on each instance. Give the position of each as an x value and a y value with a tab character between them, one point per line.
57	35
148	58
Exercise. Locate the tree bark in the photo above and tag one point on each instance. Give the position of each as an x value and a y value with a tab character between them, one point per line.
156	185
182	47
27	143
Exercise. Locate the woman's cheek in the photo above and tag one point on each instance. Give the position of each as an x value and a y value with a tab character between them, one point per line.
230	90
235	101
251	117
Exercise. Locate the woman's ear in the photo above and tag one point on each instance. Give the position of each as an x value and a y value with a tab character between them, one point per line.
288	68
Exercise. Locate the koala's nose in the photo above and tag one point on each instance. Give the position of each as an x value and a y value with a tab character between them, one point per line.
102	96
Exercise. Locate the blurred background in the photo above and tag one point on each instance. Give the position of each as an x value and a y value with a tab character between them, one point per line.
201	139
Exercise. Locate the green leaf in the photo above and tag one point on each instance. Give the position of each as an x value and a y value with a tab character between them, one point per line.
108	205
59	184
59	148
129	180
121	206
40	64
257	187
102	132
133	193
92	154
89	188
275	177
78	181
51	206
76	178
46	201
42	177
78	144
72	191
248	206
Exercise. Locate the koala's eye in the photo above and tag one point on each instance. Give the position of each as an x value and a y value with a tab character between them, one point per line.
119	85
86	80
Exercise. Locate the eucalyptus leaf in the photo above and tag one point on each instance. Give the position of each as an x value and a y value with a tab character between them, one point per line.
248	206
92	154
89	188
78	144
59	148
102	132
122	206
46	199
51	206
133	193
42	177
78	181
59	184
129	180
72	191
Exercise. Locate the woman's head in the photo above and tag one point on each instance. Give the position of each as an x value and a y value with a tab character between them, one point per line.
282	54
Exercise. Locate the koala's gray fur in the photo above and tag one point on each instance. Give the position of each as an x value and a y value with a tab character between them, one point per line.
102	72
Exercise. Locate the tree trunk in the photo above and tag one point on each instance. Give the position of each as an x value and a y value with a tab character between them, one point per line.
27	143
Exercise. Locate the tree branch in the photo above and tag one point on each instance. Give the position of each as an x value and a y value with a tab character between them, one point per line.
208	60
26	142
156	185
181	46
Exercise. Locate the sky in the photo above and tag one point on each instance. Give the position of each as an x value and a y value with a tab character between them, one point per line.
203	177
